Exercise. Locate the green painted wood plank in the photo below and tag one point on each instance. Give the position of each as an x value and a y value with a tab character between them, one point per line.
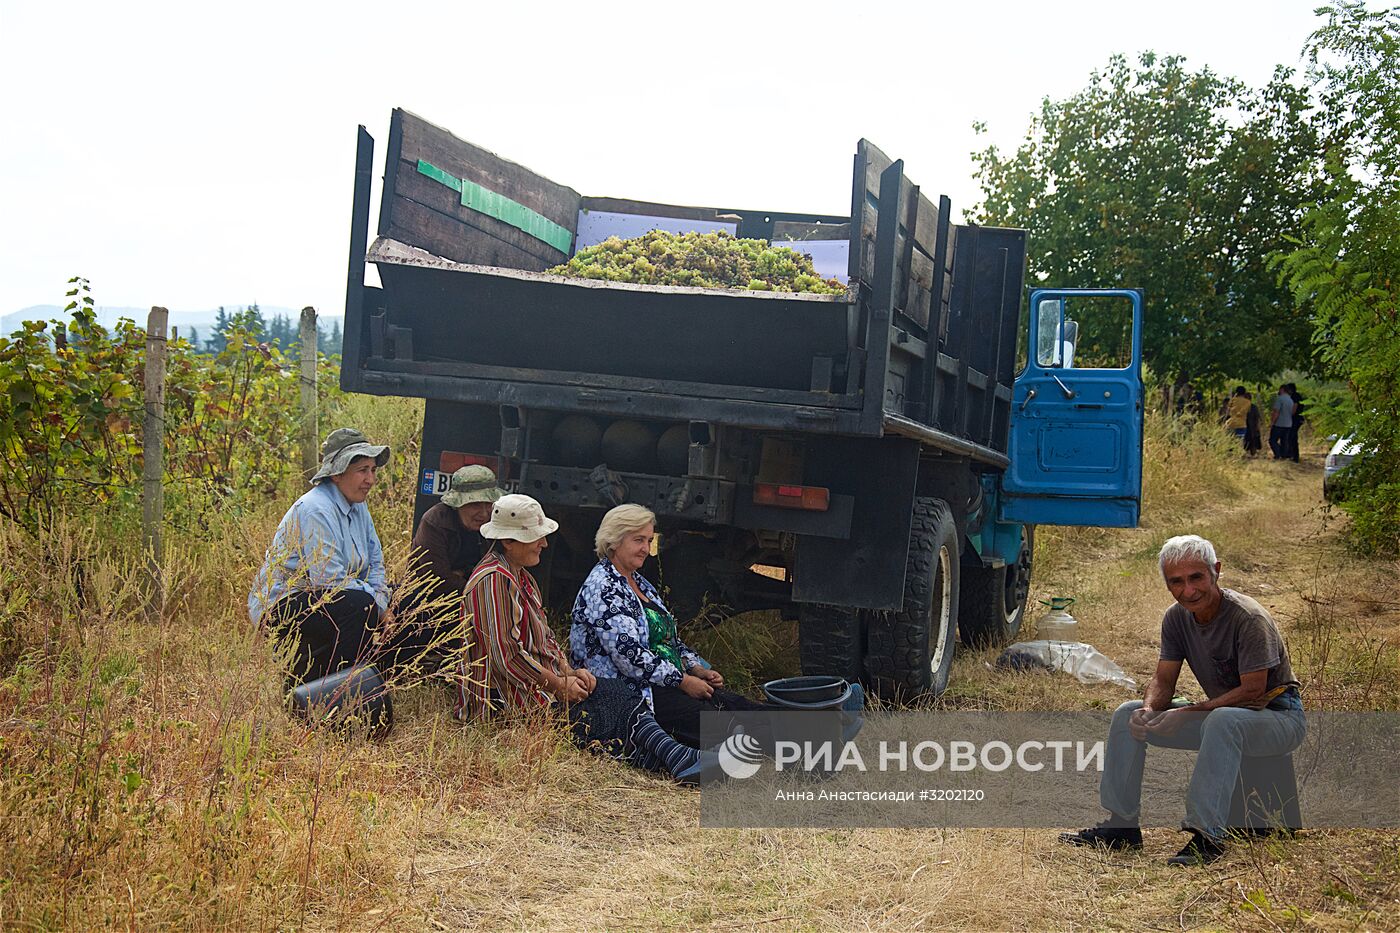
497	205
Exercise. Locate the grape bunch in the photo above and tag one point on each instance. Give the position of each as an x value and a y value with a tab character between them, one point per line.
702	260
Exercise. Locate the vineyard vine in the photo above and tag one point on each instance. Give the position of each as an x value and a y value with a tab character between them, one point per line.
71	417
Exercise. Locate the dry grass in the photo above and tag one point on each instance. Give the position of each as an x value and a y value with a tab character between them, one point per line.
148	778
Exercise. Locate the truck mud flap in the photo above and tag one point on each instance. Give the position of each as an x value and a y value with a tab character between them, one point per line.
865	570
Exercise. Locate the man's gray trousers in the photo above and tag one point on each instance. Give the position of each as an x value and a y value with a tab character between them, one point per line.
1223	736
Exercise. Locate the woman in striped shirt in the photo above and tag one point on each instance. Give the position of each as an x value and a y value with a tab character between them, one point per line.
513	664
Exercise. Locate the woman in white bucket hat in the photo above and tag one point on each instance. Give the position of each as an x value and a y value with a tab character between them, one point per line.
513	664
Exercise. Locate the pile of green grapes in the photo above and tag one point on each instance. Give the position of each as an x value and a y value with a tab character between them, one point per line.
703	260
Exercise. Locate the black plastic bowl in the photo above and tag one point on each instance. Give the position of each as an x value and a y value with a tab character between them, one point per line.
817	689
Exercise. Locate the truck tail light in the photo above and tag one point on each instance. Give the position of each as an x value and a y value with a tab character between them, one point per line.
811	498
450	461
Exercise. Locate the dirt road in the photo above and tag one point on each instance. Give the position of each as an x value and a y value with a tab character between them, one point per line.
598	846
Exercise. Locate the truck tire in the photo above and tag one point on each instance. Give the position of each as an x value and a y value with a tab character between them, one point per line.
831	640
993	601
909	653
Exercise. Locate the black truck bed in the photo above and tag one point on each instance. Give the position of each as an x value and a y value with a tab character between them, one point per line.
918	346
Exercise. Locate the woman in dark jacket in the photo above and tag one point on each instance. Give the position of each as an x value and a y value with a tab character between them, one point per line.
448	543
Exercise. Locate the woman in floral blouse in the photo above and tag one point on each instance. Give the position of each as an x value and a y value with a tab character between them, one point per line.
623	630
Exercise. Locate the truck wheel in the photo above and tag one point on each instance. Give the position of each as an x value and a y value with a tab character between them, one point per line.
909	653
993	600
830	640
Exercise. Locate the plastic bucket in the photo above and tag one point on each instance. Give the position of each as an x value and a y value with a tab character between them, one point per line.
353	696
818	695
818	692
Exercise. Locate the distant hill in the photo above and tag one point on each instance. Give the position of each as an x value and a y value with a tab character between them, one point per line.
108	316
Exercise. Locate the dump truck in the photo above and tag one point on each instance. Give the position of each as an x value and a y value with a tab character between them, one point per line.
872	463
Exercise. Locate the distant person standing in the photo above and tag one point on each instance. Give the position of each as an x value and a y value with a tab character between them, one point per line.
1282	422
1253	442
1293	393
1237	414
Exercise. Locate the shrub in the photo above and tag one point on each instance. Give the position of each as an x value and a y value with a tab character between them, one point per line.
71	413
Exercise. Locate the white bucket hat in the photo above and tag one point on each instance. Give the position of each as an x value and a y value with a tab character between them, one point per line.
472	483
519	518
343	445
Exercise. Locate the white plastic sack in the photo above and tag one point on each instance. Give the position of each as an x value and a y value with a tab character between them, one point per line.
1085	662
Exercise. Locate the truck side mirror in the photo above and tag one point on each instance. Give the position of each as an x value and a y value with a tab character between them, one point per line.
1055	336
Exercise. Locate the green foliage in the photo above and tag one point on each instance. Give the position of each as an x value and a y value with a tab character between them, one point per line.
230	419
65	413
1346	264
1178	183
280	332
702	260
71	410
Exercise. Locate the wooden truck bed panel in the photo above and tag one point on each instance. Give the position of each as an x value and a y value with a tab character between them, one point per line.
538	324
923	344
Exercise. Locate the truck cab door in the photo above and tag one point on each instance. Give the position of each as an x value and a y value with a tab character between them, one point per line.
1075	444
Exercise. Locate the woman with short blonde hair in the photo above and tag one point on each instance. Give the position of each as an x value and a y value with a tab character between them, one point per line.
623	631
618	524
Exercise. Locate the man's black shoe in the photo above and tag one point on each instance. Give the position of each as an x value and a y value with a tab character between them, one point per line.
1201	850
1104	836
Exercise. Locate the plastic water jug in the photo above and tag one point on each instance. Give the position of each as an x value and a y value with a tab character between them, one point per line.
1058	624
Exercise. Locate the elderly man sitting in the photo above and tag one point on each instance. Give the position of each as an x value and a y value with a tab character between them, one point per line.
1253	706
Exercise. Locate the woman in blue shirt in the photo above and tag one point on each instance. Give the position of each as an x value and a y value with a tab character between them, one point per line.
322	583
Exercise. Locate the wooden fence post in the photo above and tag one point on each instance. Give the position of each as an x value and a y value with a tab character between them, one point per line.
153	459
310	443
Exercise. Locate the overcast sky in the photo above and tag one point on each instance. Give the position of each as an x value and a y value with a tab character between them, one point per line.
180	156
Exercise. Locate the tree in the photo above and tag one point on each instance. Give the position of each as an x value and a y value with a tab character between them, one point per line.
329	344
1346	263
249	319
1177	183
219	341
281	333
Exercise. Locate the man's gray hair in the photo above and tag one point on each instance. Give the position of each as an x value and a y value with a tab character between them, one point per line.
1187	547
618	524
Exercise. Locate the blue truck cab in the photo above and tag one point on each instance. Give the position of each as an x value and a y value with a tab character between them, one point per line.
871	463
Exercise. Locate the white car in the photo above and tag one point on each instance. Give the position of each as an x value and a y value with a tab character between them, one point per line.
1338	459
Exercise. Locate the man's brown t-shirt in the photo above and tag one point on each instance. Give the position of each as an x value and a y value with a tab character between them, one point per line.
1241	639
